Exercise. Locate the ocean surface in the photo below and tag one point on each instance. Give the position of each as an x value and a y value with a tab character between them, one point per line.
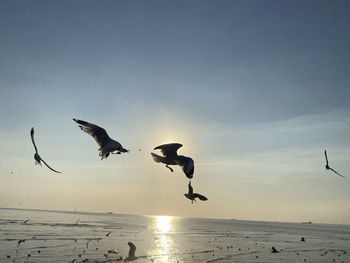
54	236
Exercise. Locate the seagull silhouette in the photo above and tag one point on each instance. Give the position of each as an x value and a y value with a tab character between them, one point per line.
107	145
132	249
37	157
192	196
329	168
170	157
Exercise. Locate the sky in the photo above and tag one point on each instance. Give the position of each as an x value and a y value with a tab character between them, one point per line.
254	90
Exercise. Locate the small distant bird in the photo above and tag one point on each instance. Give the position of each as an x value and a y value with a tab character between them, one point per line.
21	241
192	196
107	235
37	157
113	251
170	157
302	239
26	221
329	168
274	250
107	145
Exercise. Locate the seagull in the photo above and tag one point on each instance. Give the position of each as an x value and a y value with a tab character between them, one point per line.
107	235
113	251
21	241
329	168
132	249
274	250
170	157
107	145
37	157
192	196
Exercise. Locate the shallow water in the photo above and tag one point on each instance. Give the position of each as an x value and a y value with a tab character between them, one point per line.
53	236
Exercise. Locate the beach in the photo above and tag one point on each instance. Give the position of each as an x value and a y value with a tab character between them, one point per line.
59	236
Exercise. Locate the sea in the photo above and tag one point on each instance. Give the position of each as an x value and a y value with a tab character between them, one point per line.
60	236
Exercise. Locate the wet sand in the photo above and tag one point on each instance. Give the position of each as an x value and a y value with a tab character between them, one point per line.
57	237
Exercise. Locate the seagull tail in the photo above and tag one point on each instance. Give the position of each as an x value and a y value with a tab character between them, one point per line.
157	158
124	150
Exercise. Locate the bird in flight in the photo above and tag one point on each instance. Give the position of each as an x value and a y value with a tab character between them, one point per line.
37	157
170	157
132	249
329	168
192	196
107	235
106	143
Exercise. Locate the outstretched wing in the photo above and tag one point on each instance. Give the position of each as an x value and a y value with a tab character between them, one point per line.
186	164
190	188
50	167
336	172
325	155
32	136
201	197
99	134
169	149
132	249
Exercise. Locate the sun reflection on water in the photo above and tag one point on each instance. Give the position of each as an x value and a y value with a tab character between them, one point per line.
163	224
164	247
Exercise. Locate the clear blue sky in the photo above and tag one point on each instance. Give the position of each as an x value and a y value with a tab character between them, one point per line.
255	90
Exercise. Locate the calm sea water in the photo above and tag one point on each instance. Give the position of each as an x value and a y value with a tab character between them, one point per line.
64	236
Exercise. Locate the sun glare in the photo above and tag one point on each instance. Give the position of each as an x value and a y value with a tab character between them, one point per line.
164	244
164	224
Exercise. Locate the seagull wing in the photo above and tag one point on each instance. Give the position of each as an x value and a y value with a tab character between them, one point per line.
336	172
132	249
186	164
50	167
32	136
201	197
99	134
169	149
325	155
190	188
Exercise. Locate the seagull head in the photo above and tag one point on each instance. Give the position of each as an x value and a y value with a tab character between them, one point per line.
37	158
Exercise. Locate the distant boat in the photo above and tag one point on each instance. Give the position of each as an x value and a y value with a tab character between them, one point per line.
307	222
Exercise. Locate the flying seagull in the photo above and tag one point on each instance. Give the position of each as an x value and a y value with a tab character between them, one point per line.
329	168
107	145
37	157
132	249
170	157
192	196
